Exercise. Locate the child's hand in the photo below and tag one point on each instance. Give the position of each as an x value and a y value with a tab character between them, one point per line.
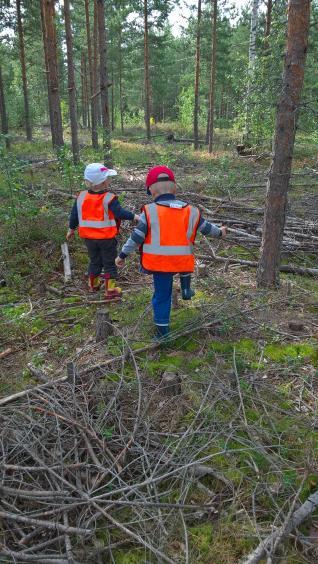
70	234
137	218
119	261
223	231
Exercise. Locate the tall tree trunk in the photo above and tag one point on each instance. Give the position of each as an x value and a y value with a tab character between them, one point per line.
84	97
113	103
197	80
47	71
71	81
146	71
27	117
92	74
3	113
268	24
214	6
251	66
49	35
103	79
286	120
87	93
121	102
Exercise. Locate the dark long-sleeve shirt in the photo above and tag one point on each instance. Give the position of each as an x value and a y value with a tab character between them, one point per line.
114	206
139	233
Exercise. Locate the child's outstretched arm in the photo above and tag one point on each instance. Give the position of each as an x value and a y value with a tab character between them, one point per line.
120	212
73	222
210	229
135	240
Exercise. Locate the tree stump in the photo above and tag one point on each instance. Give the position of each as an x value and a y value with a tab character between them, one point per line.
202	270
170	384
104	326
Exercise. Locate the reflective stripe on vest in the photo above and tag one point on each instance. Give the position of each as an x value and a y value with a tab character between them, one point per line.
106	222
155	248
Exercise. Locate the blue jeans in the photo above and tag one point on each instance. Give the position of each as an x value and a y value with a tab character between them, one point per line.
161	299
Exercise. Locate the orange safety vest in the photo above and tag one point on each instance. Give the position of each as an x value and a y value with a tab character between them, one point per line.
168	245
96	220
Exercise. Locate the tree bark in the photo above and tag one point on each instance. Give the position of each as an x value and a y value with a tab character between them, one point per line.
92	76
49	37
268	24
3	113
71	81
121	102
113	102
27	117
214	5
84	98
251	65
197	80
146	67
96	78
278	182
103	79
46	69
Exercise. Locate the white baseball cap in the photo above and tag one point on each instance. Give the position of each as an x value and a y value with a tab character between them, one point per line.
97	173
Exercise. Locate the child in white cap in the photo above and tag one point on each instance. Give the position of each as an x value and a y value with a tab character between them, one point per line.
97	214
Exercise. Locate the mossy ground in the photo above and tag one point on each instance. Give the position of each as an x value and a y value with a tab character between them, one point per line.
265	444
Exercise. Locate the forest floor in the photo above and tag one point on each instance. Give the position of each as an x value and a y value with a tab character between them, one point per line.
212	465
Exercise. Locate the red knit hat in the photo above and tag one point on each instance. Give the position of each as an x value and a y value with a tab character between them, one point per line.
154	173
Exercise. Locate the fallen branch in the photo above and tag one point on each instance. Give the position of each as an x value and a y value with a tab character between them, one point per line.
279	534
284	267
66	263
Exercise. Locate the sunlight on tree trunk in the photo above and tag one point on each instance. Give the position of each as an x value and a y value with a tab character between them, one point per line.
92	78
103	80
251	67
214	6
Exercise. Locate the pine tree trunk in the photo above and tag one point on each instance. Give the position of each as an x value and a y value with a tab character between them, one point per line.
251	66
87	93
146	67
47	71
113	103
27	117
103	79
84	99
49	36
197	80
268	24
214	5
286	120
71	81
121	102
96	74
3	113
92	75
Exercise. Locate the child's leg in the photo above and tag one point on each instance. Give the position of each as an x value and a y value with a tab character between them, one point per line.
108	251
185	280
95	264
161	301
108	248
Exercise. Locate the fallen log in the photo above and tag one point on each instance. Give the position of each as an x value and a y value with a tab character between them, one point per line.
266	546
254	264
66	263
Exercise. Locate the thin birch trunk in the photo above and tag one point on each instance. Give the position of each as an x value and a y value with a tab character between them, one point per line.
286	122
71	81
27	117
84	101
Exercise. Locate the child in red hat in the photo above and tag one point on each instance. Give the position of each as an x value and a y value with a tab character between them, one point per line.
166	234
